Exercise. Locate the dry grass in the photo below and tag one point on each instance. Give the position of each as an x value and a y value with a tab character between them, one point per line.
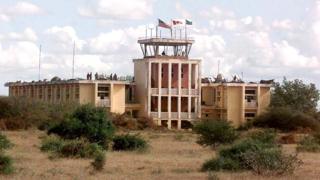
170	157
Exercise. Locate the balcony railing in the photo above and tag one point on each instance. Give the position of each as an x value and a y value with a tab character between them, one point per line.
252	104
164	91
184	92
103	103
164	115
154	91
174	115
154	114
194	92
174	91
184	115
193	115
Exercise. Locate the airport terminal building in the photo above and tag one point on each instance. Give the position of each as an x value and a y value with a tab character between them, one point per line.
167	86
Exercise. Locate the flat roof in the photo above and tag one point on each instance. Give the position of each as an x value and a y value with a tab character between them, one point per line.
71	81
235	84
165	41
167	58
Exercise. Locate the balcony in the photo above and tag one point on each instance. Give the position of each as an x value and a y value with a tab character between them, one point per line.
194	92
251	105
164	115
154	91
184	92
174	115
193	115
154	114
103	103
164	91
174	91
184	115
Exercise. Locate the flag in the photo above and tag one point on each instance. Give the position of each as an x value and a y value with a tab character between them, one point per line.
176	22
163	24
188	22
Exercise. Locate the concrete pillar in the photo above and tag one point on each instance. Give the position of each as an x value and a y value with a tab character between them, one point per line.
179	96
198	87
159	89
149	89
169	89
258	99
112	100
95	93
189	90
243	105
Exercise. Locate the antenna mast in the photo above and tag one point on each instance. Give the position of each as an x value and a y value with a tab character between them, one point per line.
39	62
218	66
74	45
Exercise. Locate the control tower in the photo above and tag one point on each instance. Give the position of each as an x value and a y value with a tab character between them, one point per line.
168	82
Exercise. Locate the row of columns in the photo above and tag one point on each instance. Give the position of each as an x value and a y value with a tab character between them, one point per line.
197	103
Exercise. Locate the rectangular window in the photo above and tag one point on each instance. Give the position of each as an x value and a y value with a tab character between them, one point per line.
103	91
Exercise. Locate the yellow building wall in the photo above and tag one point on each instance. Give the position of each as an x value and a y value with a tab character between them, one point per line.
234	104
207	96
264	99
87	94
141	91
118	98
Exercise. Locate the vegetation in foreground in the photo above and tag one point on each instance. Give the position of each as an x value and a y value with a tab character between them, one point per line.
129	142
214	132
310	143
87	122
293	107
258	153
6	163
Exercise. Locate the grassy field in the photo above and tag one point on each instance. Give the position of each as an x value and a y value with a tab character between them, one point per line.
172	155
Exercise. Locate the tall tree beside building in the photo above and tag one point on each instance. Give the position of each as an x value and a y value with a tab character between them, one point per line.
296	95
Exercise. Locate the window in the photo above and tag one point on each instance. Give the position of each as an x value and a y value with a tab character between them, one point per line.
103	91
250	91
77	93
249	115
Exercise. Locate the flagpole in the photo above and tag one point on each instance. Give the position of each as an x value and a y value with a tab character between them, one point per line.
185	30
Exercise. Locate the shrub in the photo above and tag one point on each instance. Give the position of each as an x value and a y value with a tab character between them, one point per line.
258	153
70	148
286	119
99	161
310	143
128	143
271	161
52	144
127	122
23	113
215	132
5	164
86	122
4	142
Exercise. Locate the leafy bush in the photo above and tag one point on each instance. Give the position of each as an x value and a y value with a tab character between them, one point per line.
310	143
271	161
86	122
128	143
286	119
23	113
258	153
70	148
5	164
126	122
99	161
215	132
4	142
5	161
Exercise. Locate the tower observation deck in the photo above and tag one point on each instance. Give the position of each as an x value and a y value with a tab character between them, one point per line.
168	81
163	47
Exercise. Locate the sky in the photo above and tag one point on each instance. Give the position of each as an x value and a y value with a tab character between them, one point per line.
254	39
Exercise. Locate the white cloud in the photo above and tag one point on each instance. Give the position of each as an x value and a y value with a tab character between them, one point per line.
182	11
118	9
27	35
286	24
21	8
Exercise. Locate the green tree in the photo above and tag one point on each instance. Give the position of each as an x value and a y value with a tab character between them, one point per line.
296	95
